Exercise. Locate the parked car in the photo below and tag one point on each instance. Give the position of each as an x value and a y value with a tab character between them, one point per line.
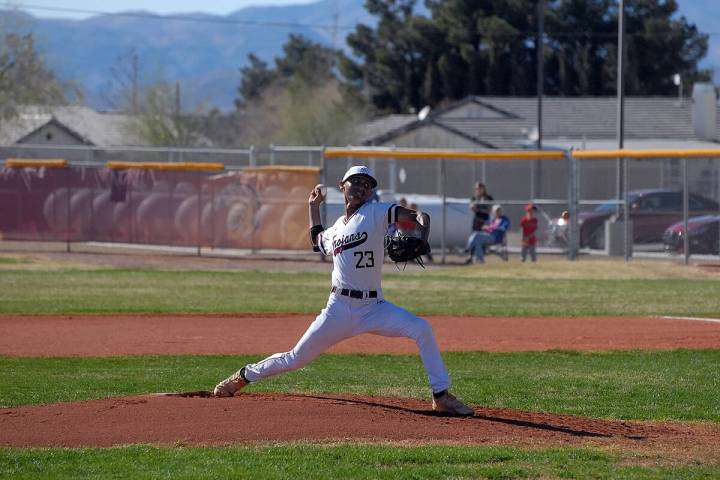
458	222
651	211
703	235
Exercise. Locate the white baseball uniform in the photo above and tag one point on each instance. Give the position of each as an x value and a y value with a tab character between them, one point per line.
356	304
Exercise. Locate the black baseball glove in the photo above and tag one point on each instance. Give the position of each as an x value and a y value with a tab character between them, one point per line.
404	248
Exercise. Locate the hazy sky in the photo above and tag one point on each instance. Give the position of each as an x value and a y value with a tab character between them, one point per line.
704	13
218	7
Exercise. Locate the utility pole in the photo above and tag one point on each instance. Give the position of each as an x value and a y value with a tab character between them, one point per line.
134	80
335	17
536	165
620	75
622	180
540	47
177	99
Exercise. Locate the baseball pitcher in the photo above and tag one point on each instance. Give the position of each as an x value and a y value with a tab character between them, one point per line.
356	305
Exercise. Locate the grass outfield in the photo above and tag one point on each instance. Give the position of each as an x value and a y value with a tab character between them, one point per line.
661	385
455	291
340	461
657	385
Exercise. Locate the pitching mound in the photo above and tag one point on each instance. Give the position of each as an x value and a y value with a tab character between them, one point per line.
251	418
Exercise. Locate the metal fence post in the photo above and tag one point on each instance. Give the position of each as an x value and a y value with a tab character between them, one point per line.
128	193
440	180
626	211
392	173
686	208
573	203
323	180
212	215
251	156
444	208
532	180
199	219
92	195
67	211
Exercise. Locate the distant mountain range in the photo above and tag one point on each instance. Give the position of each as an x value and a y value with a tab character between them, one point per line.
205	56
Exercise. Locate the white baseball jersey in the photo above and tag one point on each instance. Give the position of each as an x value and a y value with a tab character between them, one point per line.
357	245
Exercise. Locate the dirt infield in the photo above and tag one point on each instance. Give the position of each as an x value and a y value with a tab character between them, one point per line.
261	418
261	334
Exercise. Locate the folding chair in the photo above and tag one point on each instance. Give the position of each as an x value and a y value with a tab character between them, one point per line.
499	248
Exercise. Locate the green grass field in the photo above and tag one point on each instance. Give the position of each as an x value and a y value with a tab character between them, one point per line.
442	292
647	385
660	385
339	461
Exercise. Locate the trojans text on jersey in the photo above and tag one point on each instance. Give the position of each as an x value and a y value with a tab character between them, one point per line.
346	242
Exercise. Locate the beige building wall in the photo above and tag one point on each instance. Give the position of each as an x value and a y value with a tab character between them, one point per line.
52	134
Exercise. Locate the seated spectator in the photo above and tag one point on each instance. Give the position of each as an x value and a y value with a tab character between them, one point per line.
529	225
492	233
403	202
480	206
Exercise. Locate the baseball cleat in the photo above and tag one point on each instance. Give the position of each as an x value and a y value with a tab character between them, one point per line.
449	405
230	385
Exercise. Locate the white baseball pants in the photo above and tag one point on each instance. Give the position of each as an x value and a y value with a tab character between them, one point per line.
346	317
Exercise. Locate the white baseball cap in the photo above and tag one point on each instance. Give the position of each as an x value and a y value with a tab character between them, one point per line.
360	170
495	208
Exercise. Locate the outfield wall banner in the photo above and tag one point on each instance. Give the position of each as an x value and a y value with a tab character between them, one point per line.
253	208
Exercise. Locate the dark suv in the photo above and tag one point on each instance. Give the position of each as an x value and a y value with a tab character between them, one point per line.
652	211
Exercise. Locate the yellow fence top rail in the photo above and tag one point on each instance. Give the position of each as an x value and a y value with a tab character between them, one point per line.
440	154
283	168
176	166
659	153
36	163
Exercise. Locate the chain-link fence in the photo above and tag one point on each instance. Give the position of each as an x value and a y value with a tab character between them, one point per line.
173	204
579	196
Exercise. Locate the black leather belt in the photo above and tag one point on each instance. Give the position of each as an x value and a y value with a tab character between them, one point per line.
355	293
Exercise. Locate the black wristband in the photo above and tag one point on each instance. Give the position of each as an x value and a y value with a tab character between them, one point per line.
315	230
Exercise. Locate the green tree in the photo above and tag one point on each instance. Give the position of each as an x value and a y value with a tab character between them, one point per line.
394	56
26	80
658	45
299	101
491	42
160	121
154	106
306	61
677	44
256	77
488	47
303	61
317	116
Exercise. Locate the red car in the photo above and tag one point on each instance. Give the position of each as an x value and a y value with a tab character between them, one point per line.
703	237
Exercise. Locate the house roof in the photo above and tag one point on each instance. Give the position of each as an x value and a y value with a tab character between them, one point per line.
89	126
507	122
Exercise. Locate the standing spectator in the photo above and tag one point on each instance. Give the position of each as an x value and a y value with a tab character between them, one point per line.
529	225
480	206
492	233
